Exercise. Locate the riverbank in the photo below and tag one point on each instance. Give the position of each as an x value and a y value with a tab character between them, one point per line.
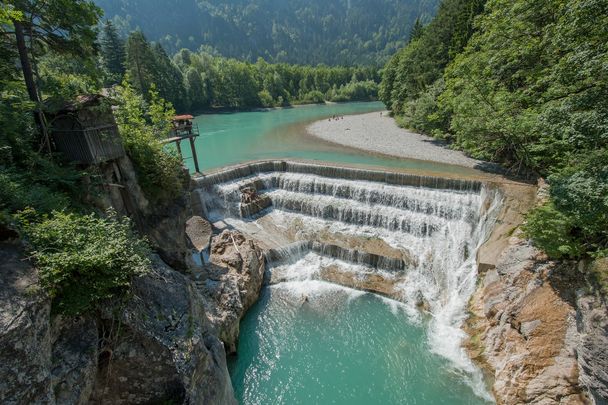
378	133
294	104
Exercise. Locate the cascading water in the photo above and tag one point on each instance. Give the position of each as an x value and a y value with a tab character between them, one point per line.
420	234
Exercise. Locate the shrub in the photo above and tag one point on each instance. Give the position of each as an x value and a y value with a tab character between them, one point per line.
142	125
83	259
357	91
551	231
266	98
314	96
17	193
575	223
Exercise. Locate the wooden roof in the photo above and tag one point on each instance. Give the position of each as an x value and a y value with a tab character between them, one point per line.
182	117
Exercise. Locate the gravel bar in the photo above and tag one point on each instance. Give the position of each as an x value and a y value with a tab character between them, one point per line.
378	133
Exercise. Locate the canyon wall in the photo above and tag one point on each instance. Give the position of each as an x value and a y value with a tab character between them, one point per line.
158	345
538	327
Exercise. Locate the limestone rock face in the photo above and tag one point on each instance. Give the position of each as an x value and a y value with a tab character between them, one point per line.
25	333
593	346
163	224
74	357
159	347
524	329
232	283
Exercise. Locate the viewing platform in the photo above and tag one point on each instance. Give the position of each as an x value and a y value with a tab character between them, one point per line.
184	128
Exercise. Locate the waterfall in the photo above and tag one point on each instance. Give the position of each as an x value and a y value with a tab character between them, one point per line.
354	218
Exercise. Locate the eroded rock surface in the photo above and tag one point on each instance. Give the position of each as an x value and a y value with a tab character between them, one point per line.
232	283
592	350
523	327
25	333
159	347
74	357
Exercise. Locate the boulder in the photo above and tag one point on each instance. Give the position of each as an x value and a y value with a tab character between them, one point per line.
232	283
158	347
25	332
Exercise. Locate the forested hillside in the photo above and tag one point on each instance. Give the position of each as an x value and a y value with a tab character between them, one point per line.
523	83
196	81
335	32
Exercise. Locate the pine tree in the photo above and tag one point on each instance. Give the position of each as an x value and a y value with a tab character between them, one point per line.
417	30
139	62
113	53
168	78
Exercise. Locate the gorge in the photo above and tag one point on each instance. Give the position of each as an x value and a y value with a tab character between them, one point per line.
417	215
410	238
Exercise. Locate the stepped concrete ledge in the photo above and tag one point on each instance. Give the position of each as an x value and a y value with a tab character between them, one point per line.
392	177
517	197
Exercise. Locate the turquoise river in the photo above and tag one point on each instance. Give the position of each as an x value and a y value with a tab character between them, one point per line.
231	138
338	346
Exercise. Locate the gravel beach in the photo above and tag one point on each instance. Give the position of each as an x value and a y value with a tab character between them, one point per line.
377	133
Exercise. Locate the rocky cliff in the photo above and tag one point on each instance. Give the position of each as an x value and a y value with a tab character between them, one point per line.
158	345
231	283
166	342
537	326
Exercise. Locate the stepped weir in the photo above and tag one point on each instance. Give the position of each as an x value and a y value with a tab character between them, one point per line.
409	237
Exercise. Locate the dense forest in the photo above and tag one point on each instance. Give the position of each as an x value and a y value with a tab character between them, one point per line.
198	80
50	54
525	84
334	32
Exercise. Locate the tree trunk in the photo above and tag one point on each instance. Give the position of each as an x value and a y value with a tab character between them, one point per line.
26	65
30	84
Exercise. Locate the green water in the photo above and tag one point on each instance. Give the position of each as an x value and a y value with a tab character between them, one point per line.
233	138
338	347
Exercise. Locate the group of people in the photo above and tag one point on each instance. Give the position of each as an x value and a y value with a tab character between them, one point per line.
336	117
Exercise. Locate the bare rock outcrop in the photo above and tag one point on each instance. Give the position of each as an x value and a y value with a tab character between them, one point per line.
159	347
523	328
74	358
164	224
25	332
232	283
592	350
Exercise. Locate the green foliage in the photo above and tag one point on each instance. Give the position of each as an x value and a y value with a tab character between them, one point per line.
219	82
423	61
356	91
551	230
417	30
335	32
313	97
139	62
141	126
64	78
63	26
112	53
424	114
18	192
525	84
575	221
84	259
530	89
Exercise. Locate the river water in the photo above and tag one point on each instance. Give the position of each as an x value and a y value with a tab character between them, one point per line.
231	138
307	341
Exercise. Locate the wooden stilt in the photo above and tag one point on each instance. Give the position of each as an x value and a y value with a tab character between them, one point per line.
179	148
193	148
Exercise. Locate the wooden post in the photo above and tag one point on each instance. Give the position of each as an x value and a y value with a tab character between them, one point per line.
179	148
193	148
